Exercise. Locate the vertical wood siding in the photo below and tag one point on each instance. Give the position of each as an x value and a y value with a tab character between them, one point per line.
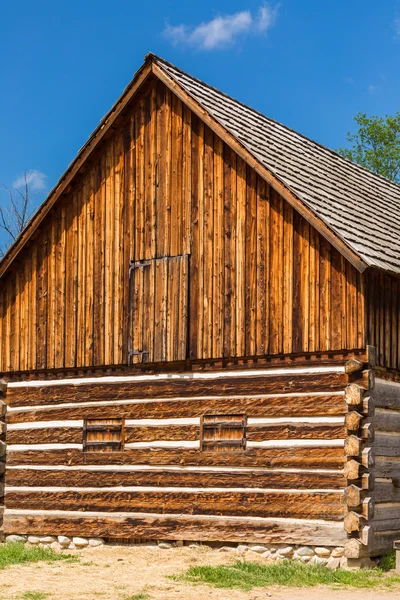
383	317
261	279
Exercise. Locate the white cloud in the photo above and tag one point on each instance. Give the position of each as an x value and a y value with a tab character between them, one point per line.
36	181
372	88
223	30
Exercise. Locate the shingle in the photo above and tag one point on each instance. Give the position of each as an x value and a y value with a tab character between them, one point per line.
361	207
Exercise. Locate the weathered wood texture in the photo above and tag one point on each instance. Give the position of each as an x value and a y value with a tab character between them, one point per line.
3	390
382	306
177	527
261	279
387	469
287	469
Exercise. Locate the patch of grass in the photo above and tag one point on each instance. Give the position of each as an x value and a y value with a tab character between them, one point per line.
18	554
137	597
33	596
388	561
246	575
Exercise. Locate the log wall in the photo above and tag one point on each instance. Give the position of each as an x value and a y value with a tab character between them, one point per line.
261	280
3	407
385	523
286	484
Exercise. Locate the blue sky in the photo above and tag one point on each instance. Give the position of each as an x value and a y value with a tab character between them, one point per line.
309	64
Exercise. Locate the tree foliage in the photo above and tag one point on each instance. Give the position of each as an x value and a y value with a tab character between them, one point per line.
376	144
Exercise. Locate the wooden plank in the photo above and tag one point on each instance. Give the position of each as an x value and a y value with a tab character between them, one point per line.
291	457
207	237
273	384
184	527
262	266
253	406
230	252
308	505
183	478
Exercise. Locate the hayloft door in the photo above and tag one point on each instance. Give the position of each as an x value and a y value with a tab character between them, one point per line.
158	298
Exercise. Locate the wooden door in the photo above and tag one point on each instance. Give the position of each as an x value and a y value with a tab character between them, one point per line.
158	310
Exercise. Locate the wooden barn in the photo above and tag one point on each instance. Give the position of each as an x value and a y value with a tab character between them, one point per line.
200	335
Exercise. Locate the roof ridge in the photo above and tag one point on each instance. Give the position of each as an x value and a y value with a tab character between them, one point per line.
352	164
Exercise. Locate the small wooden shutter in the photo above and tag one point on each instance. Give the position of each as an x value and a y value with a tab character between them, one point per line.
158	310
223	432
103	435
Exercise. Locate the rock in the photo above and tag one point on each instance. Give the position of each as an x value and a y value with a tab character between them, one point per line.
164	546
333	563
226	549
322	552
286	552
305	559
80	542
305	551
72	546
56	547
357	563
179	544
337	552
64	541
11	539
33	539
266	554
95	542
47	539
242	548
318	560
258	549
194	546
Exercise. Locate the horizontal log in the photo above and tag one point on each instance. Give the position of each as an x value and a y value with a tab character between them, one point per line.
388	511
353	365
354	548
387	395
353	470
387	420
165	477
176	388
382	542
324	457
385	491
353	446
364	379
282	431
387	467
368	481
353	522
252	406
179	527
304	505
354	496
368	457
368	407
354	394
353	420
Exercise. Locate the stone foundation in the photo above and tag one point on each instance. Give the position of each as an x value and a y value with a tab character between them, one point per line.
314	555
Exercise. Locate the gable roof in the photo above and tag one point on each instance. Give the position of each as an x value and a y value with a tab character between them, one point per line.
357	210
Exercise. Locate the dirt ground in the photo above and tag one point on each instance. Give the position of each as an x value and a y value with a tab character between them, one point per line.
118	573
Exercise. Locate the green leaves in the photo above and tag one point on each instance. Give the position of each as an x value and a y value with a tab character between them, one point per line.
376	145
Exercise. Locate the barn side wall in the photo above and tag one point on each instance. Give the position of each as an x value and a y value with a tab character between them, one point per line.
287	485
385	522
261	280
382	301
